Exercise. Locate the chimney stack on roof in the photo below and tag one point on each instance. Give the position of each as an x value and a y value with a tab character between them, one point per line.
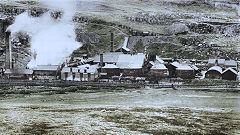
101	60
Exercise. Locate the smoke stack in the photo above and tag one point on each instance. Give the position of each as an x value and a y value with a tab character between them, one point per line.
112	41
175	56
8	59
101	60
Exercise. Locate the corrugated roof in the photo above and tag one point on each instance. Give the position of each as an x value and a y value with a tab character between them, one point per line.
159	66
216	68
46	68
19	71
110	57
127	61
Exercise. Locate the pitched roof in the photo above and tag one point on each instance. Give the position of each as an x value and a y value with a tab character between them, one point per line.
194	67
19	71
110	66
175	64
46	68
184	67
127	61
159	60
159	66
110	57
81	69
181	66
230	69
216	68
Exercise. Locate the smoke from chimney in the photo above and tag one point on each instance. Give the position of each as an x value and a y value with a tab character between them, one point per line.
52	41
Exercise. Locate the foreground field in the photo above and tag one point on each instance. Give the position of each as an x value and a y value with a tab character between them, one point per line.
145	111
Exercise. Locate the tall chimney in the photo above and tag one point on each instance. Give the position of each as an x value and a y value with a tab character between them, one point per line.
8	59
101	60
112	36
175	56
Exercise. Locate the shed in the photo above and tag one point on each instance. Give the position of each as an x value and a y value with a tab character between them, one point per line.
131	65
45	72
18	74
214	72
81	73
158	71
111	70
185	72
229	74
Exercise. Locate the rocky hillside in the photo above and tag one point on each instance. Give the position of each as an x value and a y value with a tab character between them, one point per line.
194	28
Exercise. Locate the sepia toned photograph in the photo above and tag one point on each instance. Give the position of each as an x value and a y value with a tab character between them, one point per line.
119	67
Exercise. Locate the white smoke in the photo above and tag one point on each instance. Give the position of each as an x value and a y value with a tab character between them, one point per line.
52	40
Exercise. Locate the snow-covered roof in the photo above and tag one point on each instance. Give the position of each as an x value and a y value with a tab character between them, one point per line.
125	44
46	68
216	68
110	57
88	68
221	61
230	69
184	67
127	61
230	63
211	61
175	64
159	60
194	67
152	63
181	66
110	66
159	66
19	71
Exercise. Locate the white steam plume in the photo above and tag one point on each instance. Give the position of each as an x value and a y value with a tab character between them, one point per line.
52	40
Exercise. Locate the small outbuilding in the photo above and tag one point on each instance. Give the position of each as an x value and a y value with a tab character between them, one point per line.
111	70
18	74
214	72
185	72
158	71
80	73
229	74
46	72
